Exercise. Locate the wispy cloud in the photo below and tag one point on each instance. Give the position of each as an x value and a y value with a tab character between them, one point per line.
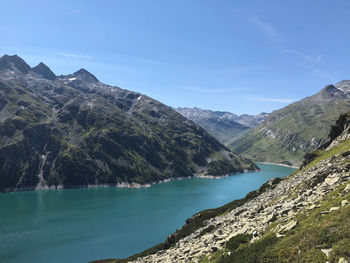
210	90
77	56
309	58
267	28
276	37
264	99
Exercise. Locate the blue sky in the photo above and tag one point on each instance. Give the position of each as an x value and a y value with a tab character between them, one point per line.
238	56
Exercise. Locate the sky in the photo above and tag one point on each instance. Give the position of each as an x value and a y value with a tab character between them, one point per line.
238	56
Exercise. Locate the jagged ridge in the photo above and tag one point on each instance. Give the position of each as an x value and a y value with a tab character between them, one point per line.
72	131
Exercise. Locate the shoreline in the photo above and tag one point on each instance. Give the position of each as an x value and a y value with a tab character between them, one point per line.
280	164
119	185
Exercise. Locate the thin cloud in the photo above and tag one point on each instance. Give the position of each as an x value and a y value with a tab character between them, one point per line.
274	35
77	56
267	28
264	99
208	90
299	54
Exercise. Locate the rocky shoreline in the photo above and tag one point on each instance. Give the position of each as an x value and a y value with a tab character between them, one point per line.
119	185
274	209
279	164
278	205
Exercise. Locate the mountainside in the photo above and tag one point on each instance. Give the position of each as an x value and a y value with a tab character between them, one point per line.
287	134
224	126
302	218
70	131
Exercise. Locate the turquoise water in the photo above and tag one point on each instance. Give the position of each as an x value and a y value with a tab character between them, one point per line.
80	225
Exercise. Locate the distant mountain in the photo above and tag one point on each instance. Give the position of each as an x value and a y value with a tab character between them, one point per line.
287	134
44	71
224	126
73	130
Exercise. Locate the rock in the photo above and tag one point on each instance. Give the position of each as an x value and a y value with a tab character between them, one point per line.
324	212
255	233
185	251
289	226
311	207
326	251
344	202
347	188
334	208
344	154
214	249
332	179
270	218
278	235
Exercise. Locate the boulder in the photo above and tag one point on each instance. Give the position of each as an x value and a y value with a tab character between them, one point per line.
289	226
334	208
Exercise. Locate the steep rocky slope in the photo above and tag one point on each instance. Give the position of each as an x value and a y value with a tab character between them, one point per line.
287	134
302	218
224	126
73	130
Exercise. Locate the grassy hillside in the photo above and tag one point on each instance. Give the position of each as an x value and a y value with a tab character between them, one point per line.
287	134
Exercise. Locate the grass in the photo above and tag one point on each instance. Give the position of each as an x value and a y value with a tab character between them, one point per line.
302	244
323	155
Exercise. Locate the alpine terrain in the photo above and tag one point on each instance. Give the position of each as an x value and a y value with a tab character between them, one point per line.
287	134
302	218
73	130
224	126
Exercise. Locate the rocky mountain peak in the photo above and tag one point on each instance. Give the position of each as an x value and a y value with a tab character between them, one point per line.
344	86
85	75
14	63
329	92
44	71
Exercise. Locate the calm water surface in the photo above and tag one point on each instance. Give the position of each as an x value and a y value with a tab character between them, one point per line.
80	225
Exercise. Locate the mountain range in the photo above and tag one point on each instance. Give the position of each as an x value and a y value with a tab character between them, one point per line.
224	126
286	135
73	130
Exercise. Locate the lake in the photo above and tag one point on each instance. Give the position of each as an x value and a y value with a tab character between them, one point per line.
80	225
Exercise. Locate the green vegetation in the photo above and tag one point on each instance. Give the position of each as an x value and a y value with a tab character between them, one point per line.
287	134
197	221
84	132
314	231
236	241
303	244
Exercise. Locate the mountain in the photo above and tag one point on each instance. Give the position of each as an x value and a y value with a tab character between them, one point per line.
44	71
73	130
224	126
287	134
302	218
14	64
